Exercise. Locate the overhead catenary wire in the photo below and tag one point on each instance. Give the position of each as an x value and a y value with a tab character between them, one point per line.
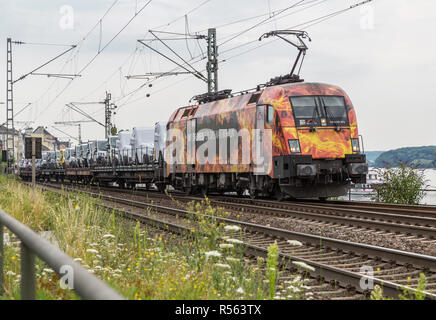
74	53
97	54
156	30
300	3
305	25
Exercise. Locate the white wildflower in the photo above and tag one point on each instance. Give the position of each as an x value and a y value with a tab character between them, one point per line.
97	268
91	251
10	273
222	265
48	270
108	236
303	265
236	241
295	243
232	228
117	270
78	259
226	245
240	290
231	259
212	254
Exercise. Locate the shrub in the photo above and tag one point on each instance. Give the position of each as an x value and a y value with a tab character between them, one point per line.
402	185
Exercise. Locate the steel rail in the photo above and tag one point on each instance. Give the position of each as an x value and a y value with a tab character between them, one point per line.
420	226
345	277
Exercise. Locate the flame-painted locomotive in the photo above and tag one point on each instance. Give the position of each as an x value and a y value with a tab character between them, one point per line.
314	149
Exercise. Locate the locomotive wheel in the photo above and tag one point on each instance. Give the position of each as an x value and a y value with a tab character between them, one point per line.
253	193
203	191
278	194
240	192
161	187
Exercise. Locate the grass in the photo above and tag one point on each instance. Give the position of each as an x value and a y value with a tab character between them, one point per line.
141	263
407	293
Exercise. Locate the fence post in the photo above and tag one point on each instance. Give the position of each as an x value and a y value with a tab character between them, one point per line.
1	259
28	287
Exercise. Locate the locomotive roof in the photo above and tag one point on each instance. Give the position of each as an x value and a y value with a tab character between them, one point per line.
247	98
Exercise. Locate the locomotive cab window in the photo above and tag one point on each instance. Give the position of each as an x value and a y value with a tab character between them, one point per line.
270	115
305	110
316	110
335	110
186	113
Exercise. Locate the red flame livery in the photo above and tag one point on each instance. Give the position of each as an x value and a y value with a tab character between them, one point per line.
314	149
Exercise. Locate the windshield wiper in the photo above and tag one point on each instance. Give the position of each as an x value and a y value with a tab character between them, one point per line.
313	128
330	118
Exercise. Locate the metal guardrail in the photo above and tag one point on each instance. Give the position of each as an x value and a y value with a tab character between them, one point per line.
85	284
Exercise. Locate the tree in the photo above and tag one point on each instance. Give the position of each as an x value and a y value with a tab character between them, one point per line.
402	185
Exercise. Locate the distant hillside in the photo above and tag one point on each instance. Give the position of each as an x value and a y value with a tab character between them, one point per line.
371	156
422	157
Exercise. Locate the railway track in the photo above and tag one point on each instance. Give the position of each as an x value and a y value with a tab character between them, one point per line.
419	225
335	261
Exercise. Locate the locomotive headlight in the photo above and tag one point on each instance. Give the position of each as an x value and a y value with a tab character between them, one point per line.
355	145
294	145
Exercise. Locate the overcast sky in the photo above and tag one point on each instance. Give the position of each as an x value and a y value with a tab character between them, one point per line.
382	54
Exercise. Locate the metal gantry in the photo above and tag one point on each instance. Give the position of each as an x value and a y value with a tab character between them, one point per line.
108	108
212	61
10	141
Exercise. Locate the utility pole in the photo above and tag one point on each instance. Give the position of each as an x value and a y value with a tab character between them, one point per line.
108	107
211	65
33	162
10	130
212	61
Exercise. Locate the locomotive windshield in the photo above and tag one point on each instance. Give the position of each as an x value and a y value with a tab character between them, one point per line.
319	110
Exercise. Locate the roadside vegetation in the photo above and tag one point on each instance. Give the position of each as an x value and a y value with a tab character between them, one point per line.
407	293
142	263
401	185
